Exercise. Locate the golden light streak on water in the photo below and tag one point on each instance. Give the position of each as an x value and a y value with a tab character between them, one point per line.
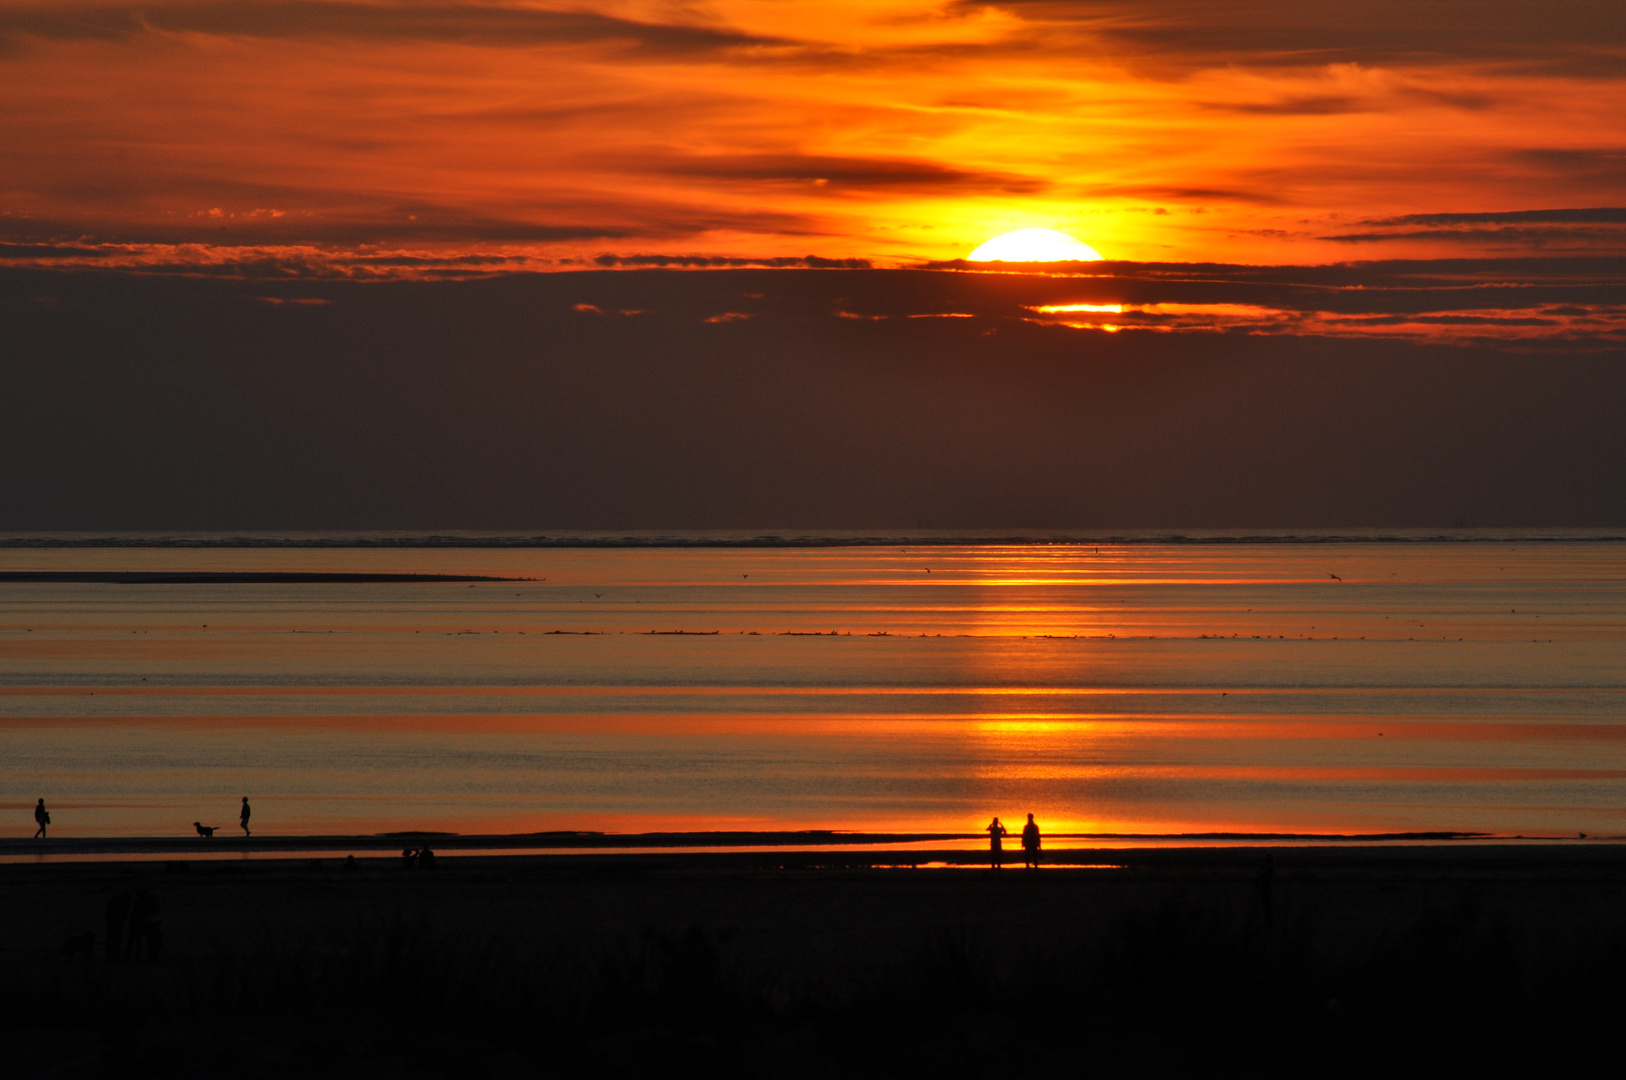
1124	688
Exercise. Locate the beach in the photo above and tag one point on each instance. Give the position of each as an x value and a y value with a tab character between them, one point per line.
1337	808
1126	961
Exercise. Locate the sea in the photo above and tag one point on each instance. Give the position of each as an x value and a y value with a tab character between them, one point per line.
1125	687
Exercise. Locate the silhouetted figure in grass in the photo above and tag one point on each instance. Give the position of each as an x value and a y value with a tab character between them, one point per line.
80	943
117	915
1030	844
419	859
146	927
1265	882
42	818
996	844
242	817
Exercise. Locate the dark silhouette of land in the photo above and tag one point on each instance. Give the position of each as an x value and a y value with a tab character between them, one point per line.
564	841
212	577
1456	959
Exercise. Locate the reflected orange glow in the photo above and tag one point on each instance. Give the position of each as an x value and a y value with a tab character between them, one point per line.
1050	733
1158	689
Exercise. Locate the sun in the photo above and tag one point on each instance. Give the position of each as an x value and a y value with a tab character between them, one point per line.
1034	245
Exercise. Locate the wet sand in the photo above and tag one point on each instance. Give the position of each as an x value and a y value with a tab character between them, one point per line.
964	847
1155	688
796	947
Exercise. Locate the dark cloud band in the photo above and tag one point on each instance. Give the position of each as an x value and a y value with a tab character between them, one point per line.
468	23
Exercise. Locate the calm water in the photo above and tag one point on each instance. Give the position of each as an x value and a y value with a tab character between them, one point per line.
1138	688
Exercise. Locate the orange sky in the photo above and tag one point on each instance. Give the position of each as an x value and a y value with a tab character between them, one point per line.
889	130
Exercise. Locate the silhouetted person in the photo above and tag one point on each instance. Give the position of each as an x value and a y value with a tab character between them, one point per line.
1266	880
996	846
117	914
408	858
1030	844
242	817
42	818
146	927
426	859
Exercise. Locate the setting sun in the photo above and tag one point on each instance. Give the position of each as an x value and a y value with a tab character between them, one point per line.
1034	245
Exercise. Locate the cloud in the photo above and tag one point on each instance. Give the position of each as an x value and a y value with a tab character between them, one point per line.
48	252
1512	236
1576	38
194	402
492	25
1183	194
714	261
1594	228
1578	297
1267	131
850	172
1600	165
1614	215
1322	105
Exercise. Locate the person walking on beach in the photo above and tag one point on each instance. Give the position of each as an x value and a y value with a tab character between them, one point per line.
996	846
1030	844
242	818
42	818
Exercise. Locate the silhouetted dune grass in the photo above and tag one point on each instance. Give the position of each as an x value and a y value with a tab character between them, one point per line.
1183	987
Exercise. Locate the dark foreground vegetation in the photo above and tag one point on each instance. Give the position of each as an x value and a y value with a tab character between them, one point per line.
1161	974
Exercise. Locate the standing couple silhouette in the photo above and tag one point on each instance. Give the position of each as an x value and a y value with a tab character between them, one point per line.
1030	844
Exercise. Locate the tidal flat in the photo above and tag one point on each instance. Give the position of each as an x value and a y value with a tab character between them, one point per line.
1357	686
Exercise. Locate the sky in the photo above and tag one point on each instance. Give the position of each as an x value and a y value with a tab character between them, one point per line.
429	264
893	131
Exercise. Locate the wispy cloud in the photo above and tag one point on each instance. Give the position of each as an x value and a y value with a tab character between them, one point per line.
886	130
1597	215
484	24
1582	229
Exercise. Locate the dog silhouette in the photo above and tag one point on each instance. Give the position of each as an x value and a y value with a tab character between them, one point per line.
204	830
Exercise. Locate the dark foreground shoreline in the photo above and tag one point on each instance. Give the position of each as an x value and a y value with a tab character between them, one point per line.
230	841
230	577
785	963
